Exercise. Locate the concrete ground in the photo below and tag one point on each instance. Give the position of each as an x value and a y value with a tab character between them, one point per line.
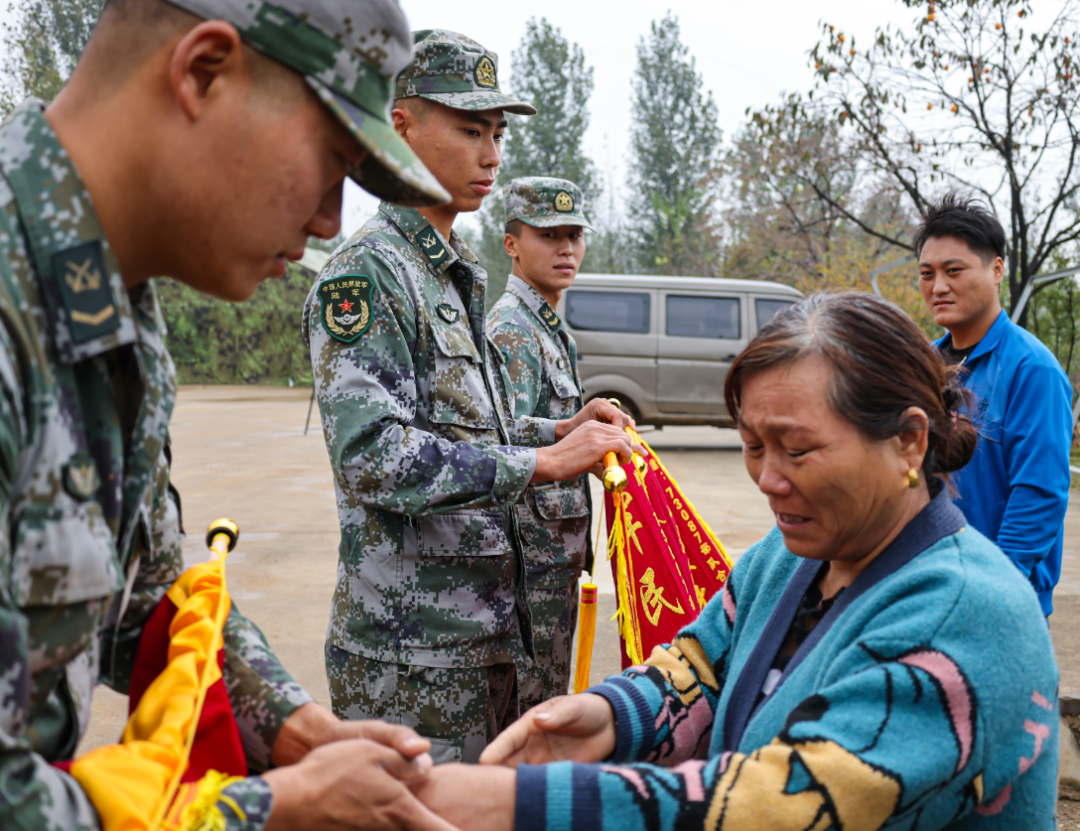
240	452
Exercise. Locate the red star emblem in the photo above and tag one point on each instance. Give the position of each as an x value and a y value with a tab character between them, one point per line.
346	306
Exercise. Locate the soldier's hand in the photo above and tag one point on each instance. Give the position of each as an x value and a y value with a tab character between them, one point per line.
354	784
472	798
578	728
599	409
312	726
581	450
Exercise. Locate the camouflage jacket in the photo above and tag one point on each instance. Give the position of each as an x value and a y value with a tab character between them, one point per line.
423	452
87	512
541	362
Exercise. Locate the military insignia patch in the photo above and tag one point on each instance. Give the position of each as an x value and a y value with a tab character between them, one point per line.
81	477
346	306
564	202
432	246
447	312
549	316
84	285
485	73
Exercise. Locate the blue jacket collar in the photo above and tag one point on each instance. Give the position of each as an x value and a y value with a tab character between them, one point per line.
990	340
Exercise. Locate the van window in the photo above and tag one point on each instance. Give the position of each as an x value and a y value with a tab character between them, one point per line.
767	309
608	311
703	317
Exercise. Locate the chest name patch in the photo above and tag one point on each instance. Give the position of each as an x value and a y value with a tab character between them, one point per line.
346	306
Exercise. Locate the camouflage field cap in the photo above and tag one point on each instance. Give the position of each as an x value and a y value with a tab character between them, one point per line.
456	71
349	52
545	203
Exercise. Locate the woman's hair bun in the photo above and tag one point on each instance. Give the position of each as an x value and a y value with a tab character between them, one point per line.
952	446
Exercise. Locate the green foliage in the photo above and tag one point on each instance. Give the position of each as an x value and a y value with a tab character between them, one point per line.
43	43
1054	318
673	142
550	72
256	342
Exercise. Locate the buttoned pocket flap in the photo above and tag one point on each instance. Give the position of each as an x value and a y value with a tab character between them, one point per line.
463	534
564	386
561	502
453	342
63	554
460	394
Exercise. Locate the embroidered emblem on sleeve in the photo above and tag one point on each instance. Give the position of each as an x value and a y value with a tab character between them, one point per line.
346	306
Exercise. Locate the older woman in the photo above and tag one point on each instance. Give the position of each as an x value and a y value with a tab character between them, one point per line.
872	663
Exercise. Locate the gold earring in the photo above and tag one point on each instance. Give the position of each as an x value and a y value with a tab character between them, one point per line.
913	478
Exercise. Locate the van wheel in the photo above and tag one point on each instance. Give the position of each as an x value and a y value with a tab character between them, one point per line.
627	406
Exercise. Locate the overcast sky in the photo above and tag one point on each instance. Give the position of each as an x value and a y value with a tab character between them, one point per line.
747	52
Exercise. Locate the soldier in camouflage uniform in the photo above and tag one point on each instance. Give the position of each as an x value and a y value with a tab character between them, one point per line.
90	524
429	616
541	360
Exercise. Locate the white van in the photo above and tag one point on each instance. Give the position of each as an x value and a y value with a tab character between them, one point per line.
663	345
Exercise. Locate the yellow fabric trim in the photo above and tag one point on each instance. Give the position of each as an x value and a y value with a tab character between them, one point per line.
132	784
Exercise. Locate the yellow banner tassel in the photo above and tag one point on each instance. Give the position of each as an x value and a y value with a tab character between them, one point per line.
586	636
624	582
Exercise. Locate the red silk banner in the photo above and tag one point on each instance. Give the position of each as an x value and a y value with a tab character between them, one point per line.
665	559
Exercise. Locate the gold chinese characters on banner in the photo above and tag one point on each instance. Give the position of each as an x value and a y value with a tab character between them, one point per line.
666	561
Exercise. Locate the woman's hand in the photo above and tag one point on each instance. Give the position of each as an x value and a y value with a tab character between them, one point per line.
470	797
578	728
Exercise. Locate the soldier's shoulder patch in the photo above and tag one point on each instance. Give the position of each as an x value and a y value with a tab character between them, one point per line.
549	316
84	285
345	308
447	312
432	246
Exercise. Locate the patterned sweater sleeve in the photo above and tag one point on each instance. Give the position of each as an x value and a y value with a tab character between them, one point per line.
894	737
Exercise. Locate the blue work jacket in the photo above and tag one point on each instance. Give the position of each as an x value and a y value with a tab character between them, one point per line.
1016	488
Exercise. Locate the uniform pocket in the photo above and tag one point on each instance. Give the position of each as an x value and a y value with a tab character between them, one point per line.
564	501
564	386
462	534
63	554
460	394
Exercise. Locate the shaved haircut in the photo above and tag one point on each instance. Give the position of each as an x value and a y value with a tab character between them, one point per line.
130	32
513	228
421	108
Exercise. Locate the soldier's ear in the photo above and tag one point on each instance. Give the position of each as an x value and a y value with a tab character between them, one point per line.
203	61
510	243
404	121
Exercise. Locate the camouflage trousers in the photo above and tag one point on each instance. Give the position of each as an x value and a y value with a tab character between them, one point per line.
554	616
460	710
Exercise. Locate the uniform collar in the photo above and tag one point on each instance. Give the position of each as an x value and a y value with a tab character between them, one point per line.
535	302
439	253
88	307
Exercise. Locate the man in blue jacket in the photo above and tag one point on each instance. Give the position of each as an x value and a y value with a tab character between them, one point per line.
1016	488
